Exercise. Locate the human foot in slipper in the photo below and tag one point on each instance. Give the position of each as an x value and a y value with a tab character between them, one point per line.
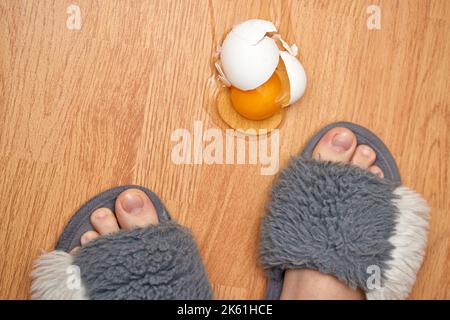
134	251
339	225
133	209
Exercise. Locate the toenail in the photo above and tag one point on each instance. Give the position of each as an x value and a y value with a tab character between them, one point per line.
100	214
342	141
132	203
366	152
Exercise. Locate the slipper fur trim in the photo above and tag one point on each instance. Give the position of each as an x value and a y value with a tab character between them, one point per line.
409	241
55	277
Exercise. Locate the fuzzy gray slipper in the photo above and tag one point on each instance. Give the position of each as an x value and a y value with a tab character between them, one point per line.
158	262
341	220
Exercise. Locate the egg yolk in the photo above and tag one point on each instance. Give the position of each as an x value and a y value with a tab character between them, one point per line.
260	103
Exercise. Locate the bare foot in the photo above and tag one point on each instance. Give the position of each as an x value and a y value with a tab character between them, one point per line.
337	145
133	210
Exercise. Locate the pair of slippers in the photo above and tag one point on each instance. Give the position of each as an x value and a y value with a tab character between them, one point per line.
341	220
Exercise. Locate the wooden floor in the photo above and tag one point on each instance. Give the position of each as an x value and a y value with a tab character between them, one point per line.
85	110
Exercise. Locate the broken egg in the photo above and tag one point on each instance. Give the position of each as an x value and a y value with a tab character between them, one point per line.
261	74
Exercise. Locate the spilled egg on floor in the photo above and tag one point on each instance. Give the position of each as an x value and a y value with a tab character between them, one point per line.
261	76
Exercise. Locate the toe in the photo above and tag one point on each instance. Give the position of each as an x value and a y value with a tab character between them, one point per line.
363	157
135	209
337	145
376	170
88	236
104	221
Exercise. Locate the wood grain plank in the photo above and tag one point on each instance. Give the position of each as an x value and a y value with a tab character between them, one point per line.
85	110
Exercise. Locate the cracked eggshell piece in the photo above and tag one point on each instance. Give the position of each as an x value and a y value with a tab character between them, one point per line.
293	50
296	74
253	30
248	56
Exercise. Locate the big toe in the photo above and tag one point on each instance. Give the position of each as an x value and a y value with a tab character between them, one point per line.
337	145
134	209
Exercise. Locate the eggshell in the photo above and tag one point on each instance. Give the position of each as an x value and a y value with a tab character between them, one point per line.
248	56
296	74
253	30
293	50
